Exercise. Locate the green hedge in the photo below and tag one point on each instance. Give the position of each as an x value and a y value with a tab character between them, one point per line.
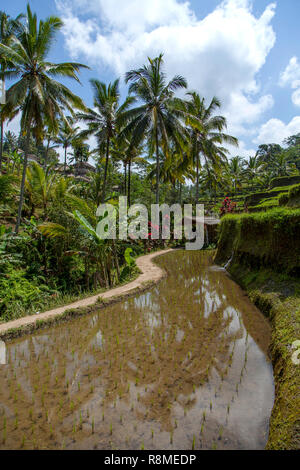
268	239
285	181
294	191
283	200
255	199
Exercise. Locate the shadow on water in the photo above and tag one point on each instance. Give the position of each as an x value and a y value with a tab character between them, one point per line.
182	366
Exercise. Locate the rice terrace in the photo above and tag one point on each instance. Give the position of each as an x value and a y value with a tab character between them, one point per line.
150	227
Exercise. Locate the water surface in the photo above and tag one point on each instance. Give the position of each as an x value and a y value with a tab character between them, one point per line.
182	366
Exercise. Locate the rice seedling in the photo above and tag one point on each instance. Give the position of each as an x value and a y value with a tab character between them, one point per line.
194	443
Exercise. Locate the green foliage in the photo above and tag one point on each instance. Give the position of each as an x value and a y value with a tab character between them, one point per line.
127	255
7	188
20	294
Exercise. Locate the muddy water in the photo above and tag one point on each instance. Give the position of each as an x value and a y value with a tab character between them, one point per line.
182	366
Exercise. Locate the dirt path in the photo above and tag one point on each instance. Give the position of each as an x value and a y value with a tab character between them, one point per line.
150	272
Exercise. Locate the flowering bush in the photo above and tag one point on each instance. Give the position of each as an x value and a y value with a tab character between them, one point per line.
228	207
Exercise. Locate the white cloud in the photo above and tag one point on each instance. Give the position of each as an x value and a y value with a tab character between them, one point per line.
291	77
275	131
220	54
296	97
242	150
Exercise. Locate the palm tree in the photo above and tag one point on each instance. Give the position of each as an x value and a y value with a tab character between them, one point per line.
129	154
207	133
236	172
253	168
40	97
8	28
280	166
66	135
158	118
39	184
81	151
106	119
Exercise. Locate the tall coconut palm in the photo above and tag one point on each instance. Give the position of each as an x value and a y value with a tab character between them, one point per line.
66	135
8	28
207	130
158	118
106	119
41	97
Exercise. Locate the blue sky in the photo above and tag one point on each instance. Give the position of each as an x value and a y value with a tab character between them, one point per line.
245	52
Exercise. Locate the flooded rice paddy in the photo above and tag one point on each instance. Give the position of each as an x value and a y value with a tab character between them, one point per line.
182	366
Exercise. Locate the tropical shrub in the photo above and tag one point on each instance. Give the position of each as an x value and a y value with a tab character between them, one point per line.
228	207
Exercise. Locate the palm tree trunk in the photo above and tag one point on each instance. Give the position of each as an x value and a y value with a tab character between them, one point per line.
157	185
157	168
129	183
105	171
208	172
125	179
65	162
23	178
46	156
197	182
116	261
